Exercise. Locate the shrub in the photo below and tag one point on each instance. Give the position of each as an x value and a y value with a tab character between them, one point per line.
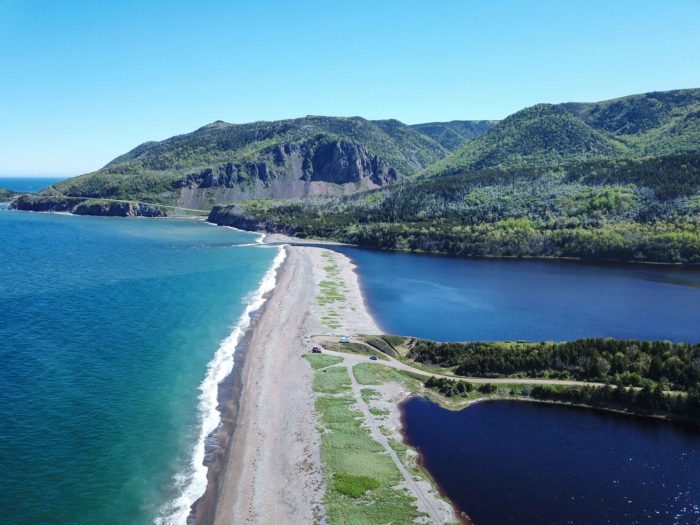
353	486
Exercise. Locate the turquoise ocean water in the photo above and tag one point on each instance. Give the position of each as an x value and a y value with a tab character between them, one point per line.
113	336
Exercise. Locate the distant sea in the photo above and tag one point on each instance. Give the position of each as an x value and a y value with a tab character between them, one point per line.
113	336
27	184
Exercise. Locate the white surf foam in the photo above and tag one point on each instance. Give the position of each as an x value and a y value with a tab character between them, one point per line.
192	483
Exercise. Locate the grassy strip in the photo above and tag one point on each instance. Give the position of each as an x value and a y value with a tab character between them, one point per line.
355	348
332	380
375	374
361	479
322	361
368	394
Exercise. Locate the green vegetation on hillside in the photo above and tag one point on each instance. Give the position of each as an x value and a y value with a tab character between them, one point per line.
618	180
542	135
249	157
614	180
547	135
658	123
625	209
451	135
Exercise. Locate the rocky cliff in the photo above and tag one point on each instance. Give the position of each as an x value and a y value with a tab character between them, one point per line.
86	206
222	163
290	170
233	215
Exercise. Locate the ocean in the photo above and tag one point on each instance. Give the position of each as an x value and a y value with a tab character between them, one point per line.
27	184
113	336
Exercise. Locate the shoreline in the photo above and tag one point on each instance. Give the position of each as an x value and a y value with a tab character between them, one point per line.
666	417
205	452
268	465
229	404
281	239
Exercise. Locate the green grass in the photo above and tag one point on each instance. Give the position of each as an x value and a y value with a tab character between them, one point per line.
322	361
374	374
378	412
355	348
361	478
332	380
382	345
368	394
353	486
331	292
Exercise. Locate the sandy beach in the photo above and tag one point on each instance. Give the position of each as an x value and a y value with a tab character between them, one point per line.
270	469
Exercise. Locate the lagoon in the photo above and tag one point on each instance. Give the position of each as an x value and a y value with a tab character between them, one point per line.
452	299
518	462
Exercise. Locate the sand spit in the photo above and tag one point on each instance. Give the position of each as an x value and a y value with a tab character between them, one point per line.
271	469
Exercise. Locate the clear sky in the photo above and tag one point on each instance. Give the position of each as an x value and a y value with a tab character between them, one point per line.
82	82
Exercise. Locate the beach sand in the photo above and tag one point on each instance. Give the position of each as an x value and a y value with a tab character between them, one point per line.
269	467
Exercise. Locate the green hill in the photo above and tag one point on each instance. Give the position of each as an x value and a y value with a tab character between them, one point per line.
648	124
614	180
618	179
452	135
644	210
542	135
224	162
546	135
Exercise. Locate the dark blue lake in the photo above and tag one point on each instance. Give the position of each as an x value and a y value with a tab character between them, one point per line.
513	462
452	299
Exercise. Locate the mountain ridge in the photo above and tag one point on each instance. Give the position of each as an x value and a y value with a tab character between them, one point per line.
613	180
221	162
635	126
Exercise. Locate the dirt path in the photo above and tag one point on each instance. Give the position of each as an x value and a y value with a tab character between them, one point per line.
425	503
400	365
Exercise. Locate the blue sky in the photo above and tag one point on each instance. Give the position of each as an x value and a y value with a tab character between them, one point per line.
82	82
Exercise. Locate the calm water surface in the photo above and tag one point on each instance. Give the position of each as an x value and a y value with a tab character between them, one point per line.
509	462
454	299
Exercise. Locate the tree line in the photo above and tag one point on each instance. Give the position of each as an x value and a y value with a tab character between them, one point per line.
651	399
675	366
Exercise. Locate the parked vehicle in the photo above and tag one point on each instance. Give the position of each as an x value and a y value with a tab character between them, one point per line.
344	339
316	350
373	357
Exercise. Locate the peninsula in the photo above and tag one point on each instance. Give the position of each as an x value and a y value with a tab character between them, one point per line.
316	437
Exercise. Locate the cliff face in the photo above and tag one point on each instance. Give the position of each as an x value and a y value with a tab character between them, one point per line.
224	163
86	206
118	209
290	170
7	195
234	216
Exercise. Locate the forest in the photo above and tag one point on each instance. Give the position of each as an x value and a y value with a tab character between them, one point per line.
645	210
651	399
674	366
